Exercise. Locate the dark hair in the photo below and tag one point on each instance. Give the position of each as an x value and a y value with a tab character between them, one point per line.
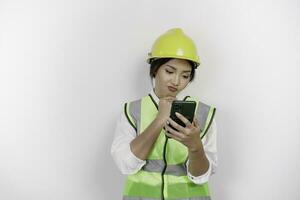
156	64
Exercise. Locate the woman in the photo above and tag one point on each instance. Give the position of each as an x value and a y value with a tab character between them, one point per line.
161	162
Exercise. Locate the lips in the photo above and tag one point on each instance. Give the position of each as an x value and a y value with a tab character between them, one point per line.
172	89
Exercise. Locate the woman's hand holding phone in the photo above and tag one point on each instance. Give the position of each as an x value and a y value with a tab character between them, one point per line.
188	135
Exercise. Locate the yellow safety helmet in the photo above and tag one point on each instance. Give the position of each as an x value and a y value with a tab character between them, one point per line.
174	44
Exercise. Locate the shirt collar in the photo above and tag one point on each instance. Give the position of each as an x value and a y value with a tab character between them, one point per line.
156	99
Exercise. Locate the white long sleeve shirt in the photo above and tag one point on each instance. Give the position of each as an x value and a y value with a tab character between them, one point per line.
128	163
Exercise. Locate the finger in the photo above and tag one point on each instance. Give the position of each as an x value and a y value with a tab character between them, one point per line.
171	99
173	137
174	133
196	123
175	125
183	119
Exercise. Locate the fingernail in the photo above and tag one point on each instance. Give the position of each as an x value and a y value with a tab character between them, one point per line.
176	113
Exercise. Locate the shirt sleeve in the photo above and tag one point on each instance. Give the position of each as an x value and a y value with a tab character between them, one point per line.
210	148
125	160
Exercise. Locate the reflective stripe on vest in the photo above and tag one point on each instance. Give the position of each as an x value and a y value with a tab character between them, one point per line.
159	165
132	112
142	198
164	176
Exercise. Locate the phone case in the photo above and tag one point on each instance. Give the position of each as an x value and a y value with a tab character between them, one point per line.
186	108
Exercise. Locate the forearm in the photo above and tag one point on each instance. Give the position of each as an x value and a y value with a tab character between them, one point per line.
143	143
198	162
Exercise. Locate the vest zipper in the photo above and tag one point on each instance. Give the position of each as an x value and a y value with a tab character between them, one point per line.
164	157
164	169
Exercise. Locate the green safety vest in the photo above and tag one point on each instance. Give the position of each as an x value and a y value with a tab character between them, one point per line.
164	176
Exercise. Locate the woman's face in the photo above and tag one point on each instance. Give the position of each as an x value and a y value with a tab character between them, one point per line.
172	77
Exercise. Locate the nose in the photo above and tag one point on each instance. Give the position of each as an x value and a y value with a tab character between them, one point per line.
176	80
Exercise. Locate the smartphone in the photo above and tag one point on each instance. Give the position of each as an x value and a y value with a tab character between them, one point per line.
186	108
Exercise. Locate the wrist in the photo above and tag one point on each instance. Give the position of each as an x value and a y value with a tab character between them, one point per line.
197	148
160	120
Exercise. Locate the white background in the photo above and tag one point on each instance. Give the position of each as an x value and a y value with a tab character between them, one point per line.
67	67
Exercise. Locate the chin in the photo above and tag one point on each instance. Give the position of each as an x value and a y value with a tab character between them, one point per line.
167	93
172	94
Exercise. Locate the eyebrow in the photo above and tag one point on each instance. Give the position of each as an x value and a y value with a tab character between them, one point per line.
176	69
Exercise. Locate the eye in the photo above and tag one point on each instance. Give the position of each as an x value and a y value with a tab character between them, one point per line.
186	76
169	72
